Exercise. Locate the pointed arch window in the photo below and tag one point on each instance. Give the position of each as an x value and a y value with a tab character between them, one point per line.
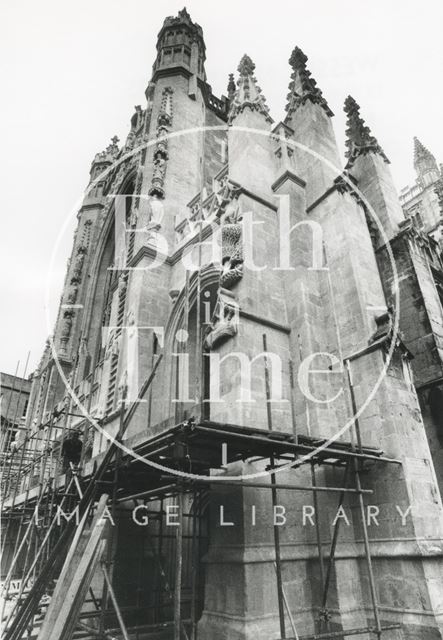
190	371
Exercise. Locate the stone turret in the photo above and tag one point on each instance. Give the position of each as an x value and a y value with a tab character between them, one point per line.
425	164
180	44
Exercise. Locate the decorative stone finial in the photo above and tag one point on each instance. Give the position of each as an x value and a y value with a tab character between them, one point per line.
184	15
112	149
423	159
302	86
231	86
298	60
359	139
420	151
108	155
246	66
248	93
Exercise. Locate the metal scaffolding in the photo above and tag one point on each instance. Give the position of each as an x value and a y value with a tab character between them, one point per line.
190	445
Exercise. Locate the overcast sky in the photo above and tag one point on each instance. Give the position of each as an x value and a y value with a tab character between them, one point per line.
73	71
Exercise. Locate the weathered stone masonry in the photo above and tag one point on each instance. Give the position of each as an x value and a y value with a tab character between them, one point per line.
238	165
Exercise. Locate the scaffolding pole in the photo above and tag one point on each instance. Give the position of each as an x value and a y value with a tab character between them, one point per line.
30	604
318	534
334	543
14	495
115	603
178	567
378	629
278	563
14	561
109	551
195	551
22	517
46	538
352	456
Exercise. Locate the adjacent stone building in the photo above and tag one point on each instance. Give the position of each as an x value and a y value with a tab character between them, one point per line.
213	235
423	200
14	400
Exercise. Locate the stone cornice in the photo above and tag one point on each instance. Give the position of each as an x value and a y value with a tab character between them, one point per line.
341	186
89	206
288	175
147	251
286	128
254	196
177	70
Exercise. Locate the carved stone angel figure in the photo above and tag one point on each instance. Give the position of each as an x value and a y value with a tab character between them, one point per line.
224	324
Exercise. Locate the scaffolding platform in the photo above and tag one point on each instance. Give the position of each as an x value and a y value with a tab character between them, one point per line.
191	456
200	448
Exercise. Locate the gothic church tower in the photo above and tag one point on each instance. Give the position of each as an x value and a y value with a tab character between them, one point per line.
241	251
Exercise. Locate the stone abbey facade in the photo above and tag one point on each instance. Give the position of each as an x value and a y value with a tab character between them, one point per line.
214	236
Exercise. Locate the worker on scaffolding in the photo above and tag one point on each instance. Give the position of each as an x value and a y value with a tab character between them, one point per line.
71	450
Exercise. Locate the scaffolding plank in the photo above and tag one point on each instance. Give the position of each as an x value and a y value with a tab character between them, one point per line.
73	579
